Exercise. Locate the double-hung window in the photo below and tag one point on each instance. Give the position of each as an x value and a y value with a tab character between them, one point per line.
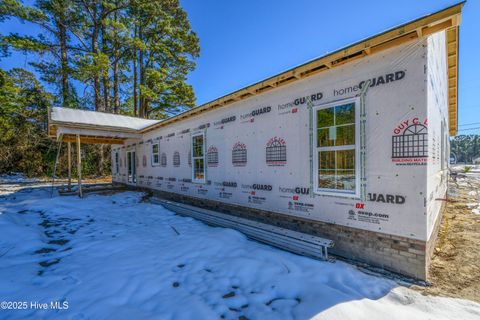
155	154
198	157
336	156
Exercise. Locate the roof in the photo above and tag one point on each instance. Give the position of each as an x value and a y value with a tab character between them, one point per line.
78	117
447	19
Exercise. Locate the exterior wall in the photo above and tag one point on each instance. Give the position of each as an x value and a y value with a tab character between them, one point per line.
386	228
389	106
439	146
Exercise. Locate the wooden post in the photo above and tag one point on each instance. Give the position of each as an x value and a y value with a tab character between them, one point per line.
69	160
79	167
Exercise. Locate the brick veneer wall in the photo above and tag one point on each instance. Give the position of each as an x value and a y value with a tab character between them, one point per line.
394	253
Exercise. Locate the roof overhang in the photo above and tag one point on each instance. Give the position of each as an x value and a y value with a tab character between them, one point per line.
65	124
66	133
447	19
452	40
89	134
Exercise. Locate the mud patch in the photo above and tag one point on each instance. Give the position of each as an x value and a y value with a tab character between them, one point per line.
455	269
60	242
48	263
45	250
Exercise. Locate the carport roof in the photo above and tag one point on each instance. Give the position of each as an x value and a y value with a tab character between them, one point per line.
68	116
94	127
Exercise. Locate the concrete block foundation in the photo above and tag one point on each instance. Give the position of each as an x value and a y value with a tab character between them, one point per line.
401	255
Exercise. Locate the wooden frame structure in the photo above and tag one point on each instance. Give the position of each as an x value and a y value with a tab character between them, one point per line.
447	20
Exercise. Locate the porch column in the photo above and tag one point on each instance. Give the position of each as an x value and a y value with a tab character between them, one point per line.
69	160
79	167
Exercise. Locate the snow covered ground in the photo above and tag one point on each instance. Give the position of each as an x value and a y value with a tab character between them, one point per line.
15	178
11	182
113	257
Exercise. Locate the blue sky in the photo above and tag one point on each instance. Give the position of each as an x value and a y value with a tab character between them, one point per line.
245	41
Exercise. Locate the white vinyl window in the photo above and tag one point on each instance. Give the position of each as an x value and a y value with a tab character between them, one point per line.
155	154
198	157
336	140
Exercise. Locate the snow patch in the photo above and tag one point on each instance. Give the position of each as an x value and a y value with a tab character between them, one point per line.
115	257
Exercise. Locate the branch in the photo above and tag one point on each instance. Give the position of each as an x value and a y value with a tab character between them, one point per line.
88	10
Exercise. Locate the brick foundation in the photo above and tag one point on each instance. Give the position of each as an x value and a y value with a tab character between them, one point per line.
394	253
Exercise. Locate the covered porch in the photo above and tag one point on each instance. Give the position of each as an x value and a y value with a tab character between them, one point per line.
89	127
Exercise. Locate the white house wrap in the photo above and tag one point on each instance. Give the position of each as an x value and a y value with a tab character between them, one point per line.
356	153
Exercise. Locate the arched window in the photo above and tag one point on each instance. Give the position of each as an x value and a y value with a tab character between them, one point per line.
412	143
276	152
212	156
163	160
239	155
176	159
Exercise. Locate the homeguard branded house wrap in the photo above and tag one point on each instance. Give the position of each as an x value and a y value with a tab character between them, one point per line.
351	147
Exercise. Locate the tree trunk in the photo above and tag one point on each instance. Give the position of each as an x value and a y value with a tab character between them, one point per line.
62	37
105	78
142	78
116	99
135	83
102	160
135	80
96	76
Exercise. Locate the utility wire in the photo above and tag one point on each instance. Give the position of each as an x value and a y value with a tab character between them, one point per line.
468	124
469	129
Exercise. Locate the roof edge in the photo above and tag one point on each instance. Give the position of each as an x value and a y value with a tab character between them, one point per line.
53	124
445	19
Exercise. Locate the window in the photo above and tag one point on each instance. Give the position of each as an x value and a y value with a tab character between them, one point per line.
198	157
117	164
239	155
335	148
176	159
212	156
163	160
413	143
276	152
155	154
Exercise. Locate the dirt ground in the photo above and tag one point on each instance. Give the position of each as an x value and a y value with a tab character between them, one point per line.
455	267
88	180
